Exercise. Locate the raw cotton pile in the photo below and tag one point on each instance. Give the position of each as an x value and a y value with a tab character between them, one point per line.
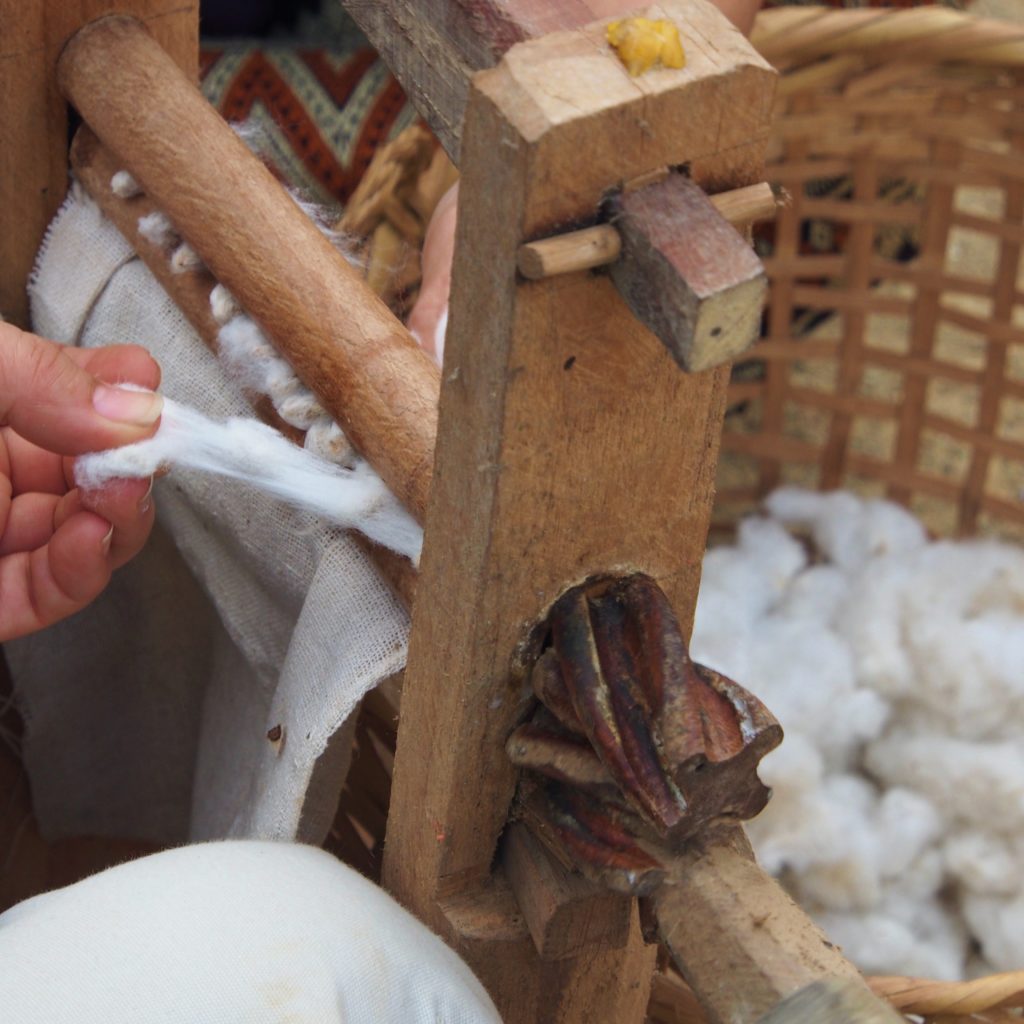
896	667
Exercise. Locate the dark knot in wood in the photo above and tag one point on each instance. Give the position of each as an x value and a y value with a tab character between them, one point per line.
635	748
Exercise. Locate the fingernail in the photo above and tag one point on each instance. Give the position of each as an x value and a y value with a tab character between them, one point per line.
146	501
141	408
105	543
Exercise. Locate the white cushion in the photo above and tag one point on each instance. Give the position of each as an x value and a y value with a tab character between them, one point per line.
229	933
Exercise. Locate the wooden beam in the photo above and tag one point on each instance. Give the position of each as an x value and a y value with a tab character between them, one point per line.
435	46
600	245
570	444
34	120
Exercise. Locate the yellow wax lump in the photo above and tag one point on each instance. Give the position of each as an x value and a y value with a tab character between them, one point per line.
643	43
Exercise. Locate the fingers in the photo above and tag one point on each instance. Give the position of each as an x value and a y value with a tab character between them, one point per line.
118	364
50	396
41	587
431	304
128	506
31	468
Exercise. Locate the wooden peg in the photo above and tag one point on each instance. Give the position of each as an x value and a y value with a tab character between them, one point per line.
687	274
601	244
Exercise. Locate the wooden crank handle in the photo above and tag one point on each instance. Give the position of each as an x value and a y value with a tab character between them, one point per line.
750	954
686	273
341	339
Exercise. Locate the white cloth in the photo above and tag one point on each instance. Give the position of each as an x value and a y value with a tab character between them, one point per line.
147	714
229	933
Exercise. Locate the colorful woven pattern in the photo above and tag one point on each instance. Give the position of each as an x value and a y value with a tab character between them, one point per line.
321	114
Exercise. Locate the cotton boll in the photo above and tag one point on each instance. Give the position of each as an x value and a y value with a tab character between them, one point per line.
890	529
849	879
836	521
983	863
970	671
871	621
998	924
847	530
978	783
815	594
942	938
795	764
773	552
882	943
895	669
738	586
921	879
805	674
906	824
875	943
796	832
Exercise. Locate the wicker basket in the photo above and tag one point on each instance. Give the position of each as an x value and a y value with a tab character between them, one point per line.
893	357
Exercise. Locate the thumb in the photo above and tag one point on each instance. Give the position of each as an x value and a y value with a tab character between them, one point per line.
51	401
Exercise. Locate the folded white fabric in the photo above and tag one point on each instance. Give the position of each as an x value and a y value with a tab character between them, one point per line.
232	932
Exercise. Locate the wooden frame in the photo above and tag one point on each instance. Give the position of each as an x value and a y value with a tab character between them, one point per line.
569	443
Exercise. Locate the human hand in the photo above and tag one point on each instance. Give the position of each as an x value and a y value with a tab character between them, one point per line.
59	546
429	316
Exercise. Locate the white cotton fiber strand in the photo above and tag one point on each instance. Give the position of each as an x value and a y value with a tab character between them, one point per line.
895	667
250	451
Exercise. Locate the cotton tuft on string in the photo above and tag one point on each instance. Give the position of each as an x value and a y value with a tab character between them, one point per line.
250	451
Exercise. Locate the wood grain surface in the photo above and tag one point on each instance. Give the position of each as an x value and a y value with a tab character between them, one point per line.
34	116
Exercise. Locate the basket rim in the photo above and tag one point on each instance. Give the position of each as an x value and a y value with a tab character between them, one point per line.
928	35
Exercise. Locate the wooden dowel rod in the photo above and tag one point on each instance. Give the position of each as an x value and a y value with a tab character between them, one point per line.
600	245
341	339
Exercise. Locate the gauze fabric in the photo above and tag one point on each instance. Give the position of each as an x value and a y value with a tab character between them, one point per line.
230	933
147	714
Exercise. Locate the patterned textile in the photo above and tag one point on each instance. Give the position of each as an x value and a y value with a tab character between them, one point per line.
321	113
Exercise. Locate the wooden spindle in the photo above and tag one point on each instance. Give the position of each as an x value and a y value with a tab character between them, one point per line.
343	342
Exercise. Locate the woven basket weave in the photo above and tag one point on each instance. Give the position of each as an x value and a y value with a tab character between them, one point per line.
893	356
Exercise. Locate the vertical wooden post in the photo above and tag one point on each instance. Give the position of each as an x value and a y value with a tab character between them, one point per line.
570	444
33	115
